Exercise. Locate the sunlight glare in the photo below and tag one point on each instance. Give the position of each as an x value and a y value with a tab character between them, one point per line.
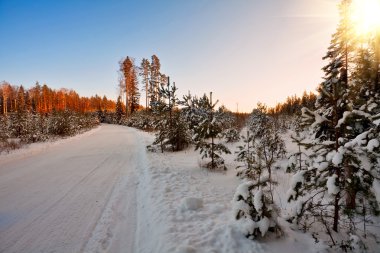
366	16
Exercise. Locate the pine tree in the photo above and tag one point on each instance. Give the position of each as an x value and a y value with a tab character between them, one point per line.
155	80
331	104
264	144
6	91
207	127
172	128
134	92
337	177
253	201
119	110
246	155
145	73
129	85
20	118
254	210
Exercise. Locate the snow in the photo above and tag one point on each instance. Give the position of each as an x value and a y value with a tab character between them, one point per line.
358	141
297	178
186	249
243	190
258	201
192	203
102	192
318	118
330	155
372	106
321	166
171	181
337	159
264	225
40	147
74	195
372	144
347	114
376	189
332	188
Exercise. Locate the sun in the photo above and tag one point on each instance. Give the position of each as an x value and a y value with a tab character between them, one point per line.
366	16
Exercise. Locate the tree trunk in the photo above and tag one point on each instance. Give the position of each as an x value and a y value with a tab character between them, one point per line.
336	213
350	189
212	152
377	62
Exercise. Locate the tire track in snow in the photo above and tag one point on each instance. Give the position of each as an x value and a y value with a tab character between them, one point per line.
57	202
115	230
45	212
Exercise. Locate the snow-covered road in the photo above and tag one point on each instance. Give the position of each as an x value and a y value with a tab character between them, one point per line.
77	196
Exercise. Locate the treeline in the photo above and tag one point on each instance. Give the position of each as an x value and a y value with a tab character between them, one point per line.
42	99
294	104
41	113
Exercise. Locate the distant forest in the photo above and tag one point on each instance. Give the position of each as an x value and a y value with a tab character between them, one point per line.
42	99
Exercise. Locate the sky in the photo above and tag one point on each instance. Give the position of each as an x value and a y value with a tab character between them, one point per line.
244	51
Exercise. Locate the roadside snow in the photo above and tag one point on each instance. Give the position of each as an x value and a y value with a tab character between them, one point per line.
172	181
187	209
40	147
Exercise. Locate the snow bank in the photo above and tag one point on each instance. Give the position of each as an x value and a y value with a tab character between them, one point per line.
183	208
187	209
39	147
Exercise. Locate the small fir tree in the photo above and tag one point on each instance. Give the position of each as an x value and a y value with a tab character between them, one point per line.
207	128
172	131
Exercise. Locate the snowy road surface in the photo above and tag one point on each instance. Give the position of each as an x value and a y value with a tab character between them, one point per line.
78	196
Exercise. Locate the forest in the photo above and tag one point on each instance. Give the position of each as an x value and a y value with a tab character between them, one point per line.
41	113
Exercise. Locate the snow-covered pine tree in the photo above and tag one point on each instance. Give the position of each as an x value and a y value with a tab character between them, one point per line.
363	131
172	131
267	145
253	200
337	178
207	128
4	134
326	172
298	160
18	119
119	110
154	83
246	155
253	209
231	131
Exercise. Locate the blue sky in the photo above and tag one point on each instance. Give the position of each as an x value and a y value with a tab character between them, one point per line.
244	51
